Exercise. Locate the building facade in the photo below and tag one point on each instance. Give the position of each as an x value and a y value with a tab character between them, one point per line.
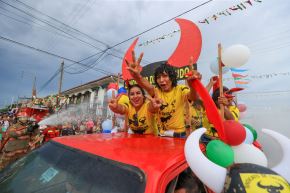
91	95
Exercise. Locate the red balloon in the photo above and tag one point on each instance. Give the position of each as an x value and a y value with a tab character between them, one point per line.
113	85
242	107
235	132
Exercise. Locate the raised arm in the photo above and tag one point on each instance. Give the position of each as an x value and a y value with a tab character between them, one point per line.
154	104
115	107
228	114
134	69
211	82
192	75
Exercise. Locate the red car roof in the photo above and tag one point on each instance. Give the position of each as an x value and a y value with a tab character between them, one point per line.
154	155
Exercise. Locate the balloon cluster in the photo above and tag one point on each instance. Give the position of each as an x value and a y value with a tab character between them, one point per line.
114	88
214	67
237	152
232	57
228	168
239	147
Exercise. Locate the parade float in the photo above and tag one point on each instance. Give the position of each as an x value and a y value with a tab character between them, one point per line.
124	163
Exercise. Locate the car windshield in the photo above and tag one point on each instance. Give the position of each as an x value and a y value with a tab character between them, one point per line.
58	168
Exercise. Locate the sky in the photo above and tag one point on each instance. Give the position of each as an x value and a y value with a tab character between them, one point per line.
263	28
80	29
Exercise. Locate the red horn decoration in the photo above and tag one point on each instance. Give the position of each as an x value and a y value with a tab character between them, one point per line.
210	108
189	44
128	56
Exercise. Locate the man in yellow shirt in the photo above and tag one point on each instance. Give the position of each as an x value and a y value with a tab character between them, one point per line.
171	119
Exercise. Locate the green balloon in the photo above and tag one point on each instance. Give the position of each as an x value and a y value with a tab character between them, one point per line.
220	153
254	132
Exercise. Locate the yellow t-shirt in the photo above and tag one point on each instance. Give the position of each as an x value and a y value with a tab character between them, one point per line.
171	113
235	112
142	122
199	115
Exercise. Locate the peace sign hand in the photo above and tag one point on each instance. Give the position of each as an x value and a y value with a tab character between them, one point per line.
134	66
155	102
113	102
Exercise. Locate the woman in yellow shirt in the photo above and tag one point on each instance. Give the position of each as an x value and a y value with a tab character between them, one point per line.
138	110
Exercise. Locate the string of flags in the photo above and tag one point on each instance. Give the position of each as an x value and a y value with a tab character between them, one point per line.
159	38
240	77
227	12
261	76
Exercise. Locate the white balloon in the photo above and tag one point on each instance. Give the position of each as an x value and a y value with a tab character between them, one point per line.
209	173
107	124
283	167
247	153
249	136
214	67
235	56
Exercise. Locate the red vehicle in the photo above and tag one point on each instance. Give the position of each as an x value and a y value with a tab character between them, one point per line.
103	163
35	112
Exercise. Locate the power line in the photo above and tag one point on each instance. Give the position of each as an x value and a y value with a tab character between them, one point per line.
88	66
69	27
271	36
91	66
40	26
76	30
265	92
161	24
49	80
273	48
62	23
154	27
52	54
108	47
80	12
46	22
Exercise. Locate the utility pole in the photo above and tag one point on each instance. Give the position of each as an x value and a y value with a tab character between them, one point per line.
61	76
60	83
34	88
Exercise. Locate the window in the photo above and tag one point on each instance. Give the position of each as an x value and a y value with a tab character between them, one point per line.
58	168
185	182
